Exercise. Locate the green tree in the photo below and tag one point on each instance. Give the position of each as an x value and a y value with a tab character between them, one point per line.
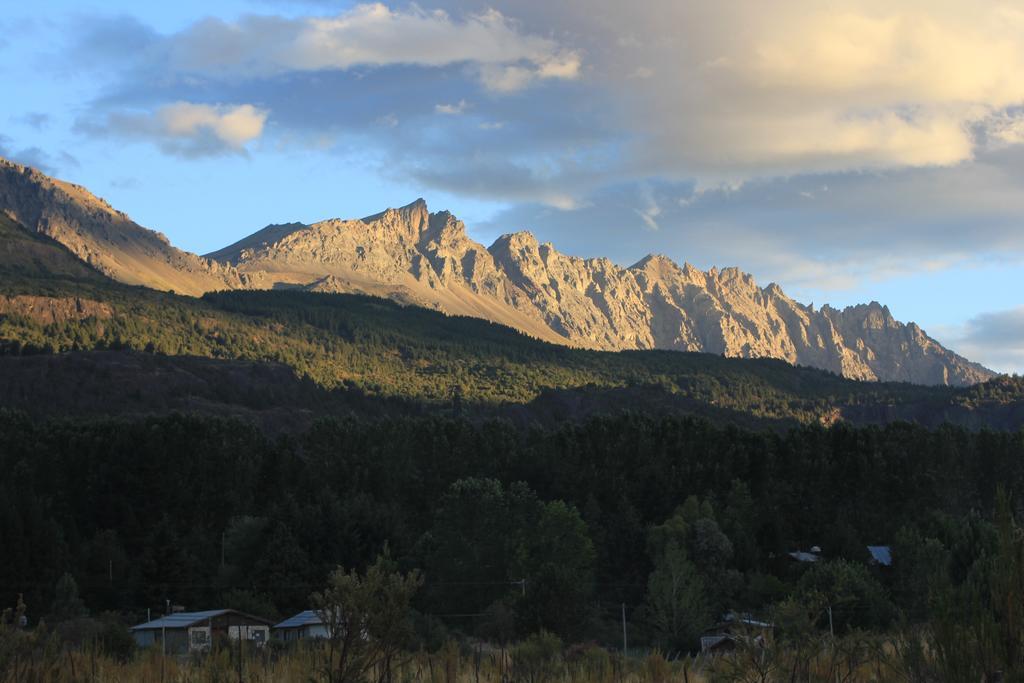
677	604
555	557
855	597
67	604
469	546
368	620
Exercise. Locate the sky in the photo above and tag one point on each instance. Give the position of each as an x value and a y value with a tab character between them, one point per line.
850	150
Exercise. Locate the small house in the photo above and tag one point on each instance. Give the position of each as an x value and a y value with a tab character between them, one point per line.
306	624
184	632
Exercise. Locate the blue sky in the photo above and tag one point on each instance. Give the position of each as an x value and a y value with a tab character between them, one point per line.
863	150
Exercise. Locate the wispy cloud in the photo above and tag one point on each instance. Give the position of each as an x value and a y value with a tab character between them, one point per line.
34	119
37	157
452	109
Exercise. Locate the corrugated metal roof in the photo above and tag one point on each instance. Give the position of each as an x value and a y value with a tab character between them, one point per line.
305	618
882	554
801	556
746	619
180	619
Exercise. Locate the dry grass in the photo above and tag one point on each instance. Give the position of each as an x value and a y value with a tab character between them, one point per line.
453	665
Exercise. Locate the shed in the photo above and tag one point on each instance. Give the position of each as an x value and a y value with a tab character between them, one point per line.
184	632
305	624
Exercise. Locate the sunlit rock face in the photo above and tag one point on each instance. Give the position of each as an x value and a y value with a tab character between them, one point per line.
427	259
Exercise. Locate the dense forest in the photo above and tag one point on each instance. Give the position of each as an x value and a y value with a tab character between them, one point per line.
556	526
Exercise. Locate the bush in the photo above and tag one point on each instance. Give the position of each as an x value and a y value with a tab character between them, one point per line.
114	639
537	659
590	662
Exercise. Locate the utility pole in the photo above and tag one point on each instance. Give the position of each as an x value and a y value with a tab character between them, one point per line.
832	632
625	643
239	653
163	649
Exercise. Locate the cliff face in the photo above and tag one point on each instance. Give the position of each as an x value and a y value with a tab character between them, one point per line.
414	256
427	259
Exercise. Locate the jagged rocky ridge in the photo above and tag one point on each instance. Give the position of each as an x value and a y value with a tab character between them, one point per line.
422	258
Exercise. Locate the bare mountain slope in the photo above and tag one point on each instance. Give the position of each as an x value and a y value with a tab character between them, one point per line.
103	237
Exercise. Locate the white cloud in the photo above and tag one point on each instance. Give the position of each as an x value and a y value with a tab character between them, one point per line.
188	129
745	88
234	126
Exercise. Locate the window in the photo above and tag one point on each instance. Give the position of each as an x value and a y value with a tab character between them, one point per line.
199	638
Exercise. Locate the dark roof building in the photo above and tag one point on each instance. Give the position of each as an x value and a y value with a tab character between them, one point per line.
184	632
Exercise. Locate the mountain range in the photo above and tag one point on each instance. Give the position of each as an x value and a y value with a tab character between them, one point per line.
420	258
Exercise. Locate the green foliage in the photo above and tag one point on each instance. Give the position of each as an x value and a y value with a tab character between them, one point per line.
676	599
488	543
555	557
855	597
690	582
368	619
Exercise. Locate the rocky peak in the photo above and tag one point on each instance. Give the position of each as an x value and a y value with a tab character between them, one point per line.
408	221
654	263
443	227
515	241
